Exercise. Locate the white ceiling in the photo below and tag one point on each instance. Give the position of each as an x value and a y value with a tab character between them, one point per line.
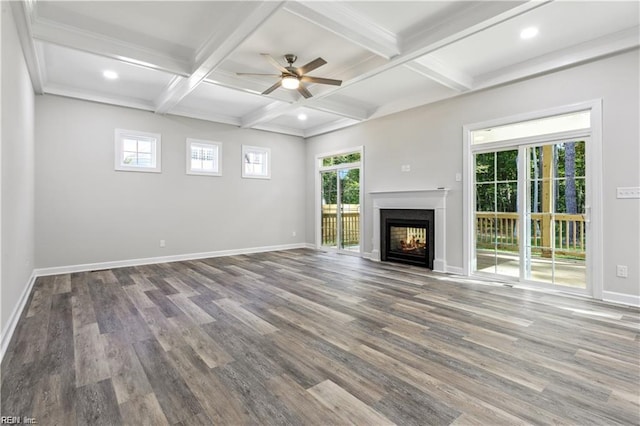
181	57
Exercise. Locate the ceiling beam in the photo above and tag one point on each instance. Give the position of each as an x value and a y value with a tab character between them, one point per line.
268	112
248	18
22	14
441	73
460	26
591	50
87	41
349	24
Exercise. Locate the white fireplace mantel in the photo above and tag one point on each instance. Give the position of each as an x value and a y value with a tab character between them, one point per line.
430	199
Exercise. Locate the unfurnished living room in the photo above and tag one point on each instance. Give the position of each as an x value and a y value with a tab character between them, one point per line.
320	212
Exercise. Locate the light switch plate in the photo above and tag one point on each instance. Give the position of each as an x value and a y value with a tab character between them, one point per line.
405	168
628	192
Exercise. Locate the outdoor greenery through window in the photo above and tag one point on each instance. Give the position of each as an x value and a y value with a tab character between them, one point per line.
341	159
340	193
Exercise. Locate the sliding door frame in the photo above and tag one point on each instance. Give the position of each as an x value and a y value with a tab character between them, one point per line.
318	196
593	175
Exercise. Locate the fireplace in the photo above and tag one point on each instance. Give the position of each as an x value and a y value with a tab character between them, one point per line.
407	236
434	200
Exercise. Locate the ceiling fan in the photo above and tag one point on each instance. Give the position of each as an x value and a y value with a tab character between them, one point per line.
292	77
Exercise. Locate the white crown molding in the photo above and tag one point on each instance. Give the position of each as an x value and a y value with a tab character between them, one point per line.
85	95
571	56
220	45
441	73
22	15
204	115
269	112
329	127
277	128
342	109
349	24
87	41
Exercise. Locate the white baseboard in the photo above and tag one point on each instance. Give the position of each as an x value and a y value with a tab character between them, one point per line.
7	333
366	255
455	270
621	298
162	259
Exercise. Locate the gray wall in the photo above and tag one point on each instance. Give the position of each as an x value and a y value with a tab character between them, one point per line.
17	199
87	212
429	138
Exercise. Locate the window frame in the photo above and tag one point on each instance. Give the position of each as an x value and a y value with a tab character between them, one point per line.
248	149
156	151
202	172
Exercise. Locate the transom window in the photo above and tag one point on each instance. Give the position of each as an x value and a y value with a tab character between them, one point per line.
137	151
256	162
203	157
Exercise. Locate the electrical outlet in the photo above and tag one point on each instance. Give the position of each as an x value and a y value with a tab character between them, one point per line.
162	243
293	234
622	271
405	168
458	177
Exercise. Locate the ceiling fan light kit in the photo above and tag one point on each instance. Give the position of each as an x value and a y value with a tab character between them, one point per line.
292	77
290	82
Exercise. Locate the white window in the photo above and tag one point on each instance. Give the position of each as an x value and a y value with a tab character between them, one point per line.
137	151
256	162
203	157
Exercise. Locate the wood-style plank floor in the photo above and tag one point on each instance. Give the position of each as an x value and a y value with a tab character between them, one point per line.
304	337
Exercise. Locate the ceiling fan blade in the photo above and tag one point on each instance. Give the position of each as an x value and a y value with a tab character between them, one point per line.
304	92
320	80
257	74
272	88
316	63
275	63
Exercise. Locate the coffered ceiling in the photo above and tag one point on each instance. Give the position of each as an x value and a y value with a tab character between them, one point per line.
181	57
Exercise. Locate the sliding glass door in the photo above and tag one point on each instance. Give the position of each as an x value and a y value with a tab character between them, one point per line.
530	213
340	202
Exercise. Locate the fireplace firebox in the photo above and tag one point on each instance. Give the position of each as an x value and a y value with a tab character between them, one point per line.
407	236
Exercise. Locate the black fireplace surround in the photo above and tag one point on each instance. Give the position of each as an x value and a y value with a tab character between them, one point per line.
407	236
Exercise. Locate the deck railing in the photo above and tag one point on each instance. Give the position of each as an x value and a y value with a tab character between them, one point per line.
502	229
350	225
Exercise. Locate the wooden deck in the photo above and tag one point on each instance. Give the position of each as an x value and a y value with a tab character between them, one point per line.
304	337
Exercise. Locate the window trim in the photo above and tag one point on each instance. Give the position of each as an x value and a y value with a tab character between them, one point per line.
120	134
256	149
201	172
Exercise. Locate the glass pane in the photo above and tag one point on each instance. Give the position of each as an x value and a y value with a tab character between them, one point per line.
144	146
570	196
341	159
486	242
485	167
542	126
130	145
350	205
507	197
485	197
535	162
507	165
144	160
329	221
570	159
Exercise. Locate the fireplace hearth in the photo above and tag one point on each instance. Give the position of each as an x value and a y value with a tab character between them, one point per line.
407	236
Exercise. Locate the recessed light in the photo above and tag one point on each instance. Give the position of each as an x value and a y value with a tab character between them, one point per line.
528	33
110	75
302	116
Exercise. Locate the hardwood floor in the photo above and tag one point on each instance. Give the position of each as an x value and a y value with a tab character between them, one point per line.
303	337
